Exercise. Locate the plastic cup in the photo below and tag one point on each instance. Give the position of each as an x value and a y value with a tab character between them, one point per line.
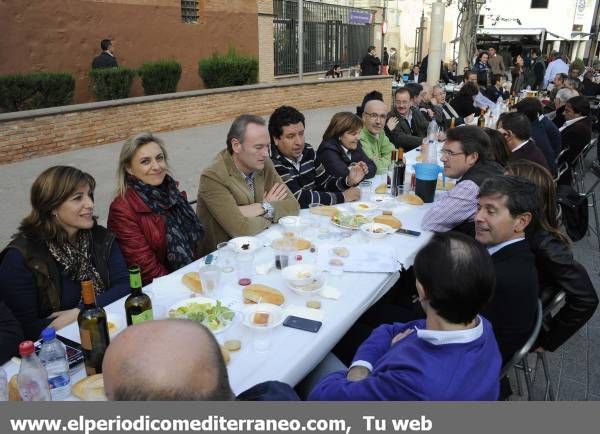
225	257
365	188
209	277
262	338
245	268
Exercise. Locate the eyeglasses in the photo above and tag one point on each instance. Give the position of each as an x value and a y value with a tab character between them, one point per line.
375	116
449	154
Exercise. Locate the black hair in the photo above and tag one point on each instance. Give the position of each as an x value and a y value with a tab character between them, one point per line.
463	280
371	47
468	89
105	44
530	107
536	51
580	105
521	194
498	150
373	95
414	88
282	117
517	123
472	139
498	77
480	55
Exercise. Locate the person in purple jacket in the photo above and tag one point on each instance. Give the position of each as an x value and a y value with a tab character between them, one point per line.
451	355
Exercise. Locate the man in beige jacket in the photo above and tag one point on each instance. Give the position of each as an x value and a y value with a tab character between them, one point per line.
240	192
496	62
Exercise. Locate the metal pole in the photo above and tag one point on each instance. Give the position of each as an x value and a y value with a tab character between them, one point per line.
382	24
435	43
464	57
422	27
300	39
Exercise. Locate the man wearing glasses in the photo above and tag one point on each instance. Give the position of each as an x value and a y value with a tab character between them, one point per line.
372	137
464	155
406	125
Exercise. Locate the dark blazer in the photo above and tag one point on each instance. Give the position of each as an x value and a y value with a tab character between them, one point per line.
493	93
11	333
104	60
552	132
335	160
538	134
559	119
269	391
420	79
558	270
408	136
513	307
463	104
370	65
575	137
530	151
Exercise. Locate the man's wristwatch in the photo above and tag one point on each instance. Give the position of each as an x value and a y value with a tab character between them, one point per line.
268	210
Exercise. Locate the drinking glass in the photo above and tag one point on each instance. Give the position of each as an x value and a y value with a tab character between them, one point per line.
320	222
365	188
225	257
209	277
245	268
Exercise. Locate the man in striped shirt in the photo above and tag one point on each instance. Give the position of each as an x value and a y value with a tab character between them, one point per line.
296	163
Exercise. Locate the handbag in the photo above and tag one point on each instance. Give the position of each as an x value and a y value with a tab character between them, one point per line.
574	207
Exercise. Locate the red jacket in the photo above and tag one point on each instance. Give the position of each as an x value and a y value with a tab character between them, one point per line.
142	235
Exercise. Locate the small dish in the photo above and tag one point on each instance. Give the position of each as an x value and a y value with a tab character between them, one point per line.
303	276
364	206
263	316
246	244
376	230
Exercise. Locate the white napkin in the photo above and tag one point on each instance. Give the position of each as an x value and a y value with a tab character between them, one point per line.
305	312
330	292
265	267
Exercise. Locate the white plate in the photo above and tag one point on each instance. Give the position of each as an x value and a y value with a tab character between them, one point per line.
276	315
252	243
361	207
367	228
348	226
201	300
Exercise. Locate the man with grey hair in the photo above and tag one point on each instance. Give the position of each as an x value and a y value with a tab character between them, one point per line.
241	193
562	96
556	66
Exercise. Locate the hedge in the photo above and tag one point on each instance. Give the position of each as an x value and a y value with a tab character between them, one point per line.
231	69
111	83
160	77
35	90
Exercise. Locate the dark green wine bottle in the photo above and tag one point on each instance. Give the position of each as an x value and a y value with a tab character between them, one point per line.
93	330
138	306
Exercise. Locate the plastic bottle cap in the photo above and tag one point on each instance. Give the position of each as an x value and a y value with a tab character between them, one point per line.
26	348
48	334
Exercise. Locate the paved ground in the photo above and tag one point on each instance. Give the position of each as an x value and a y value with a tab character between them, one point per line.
575	367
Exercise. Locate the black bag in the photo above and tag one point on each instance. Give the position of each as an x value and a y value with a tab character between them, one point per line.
574	208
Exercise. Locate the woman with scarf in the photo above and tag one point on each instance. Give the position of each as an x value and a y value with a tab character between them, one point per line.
155	226
58	245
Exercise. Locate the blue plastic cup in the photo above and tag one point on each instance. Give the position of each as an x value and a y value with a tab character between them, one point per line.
426	175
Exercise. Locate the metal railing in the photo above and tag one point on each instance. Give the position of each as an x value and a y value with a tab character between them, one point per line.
329	37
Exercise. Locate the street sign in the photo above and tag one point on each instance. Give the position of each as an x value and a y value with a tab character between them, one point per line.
360	17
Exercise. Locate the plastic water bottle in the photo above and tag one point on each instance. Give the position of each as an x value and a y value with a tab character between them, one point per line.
32	379
53	356
3	385
431	156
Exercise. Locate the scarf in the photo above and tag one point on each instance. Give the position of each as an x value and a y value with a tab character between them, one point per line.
184	230
76	259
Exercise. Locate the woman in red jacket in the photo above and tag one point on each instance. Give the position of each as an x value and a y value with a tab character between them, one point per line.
155	226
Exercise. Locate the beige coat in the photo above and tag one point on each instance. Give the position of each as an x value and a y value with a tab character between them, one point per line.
497	64
223	188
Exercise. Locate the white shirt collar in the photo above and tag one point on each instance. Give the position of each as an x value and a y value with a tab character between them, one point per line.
296	163
497	247
571	122
439	337
520	146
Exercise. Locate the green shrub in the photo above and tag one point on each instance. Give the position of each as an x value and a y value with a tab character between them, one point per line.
578	64
111	83
35	90
231	69
160	77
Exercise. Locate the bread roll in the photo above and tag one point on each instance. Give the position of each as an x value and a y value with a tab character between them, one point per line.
324	210
412	199
388	220
448	185
13	389
192	281
381	188
294	244
90	388
226	355
258	293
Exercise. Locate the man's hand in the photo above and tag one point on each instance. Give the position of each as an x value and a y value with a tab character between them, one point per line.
355	174
430	113
253	210
469	119
392	123
277	192
357	373
63	318
351	195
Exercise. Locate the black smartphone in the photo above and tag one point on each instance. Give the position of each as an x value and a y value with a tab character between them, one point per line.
408	232
308	325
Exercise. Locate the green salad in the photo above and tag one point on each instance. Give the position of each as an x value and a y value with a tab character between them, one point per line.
213	316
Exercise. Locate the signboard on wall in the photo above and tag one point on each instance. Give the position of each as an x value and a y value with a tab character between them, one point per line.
362	17
579	12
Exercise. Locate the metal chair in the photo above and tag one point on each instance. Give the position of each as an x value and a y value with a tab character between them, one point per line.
519	359
560	170
579	165
560	157
591	193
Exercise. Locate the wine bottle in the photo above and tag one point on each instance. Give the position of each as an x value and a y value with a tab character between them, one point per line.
391	168
93	330
453	122
481	119
398	172
138	306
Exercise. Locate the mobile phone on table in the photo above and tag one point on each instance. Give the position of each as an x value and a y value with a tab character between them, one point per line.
305	324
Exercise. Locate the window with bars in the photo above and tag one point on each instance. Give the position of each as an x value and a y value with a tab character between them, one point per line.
189	11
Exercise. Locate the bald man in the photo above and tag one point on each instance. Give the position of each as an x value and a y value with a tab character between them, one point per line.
174	360
372	137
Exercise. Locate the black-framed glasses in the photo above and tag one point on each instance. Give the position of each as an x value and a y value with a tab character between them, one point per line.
375	116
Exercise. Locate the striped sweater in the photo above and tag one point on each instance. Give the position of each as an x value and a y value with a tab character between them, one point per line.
310	184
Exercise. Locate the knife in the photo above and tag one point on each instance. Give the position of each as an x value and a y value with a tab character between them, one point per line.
408	232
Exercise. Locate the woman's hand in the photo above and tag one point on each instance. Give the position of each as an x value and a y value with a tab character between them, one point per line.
63	318
357	373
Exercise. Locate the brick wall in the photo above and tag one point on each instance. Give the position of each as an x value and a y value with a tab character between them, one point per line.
266	63
25	135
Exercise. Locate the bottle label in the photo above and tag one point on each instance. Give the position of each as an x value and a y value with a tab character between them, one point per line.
59	381
86	339
144	316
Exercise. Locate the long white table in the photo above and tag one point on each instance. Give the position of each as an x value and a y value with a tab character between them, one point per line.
293	353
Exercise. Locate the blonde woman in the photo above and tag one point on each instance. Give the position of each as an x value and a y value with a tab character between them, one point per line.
58	245
156	227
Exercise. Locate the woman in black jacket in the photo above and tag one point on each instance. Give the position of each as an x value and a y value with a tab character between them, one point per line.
557	269
464	99
341	146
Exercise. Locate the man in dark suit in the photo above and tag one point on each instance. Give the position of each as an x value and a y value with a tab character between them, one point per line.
370	63
107	58
576	132
516	129
406	126
506	207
